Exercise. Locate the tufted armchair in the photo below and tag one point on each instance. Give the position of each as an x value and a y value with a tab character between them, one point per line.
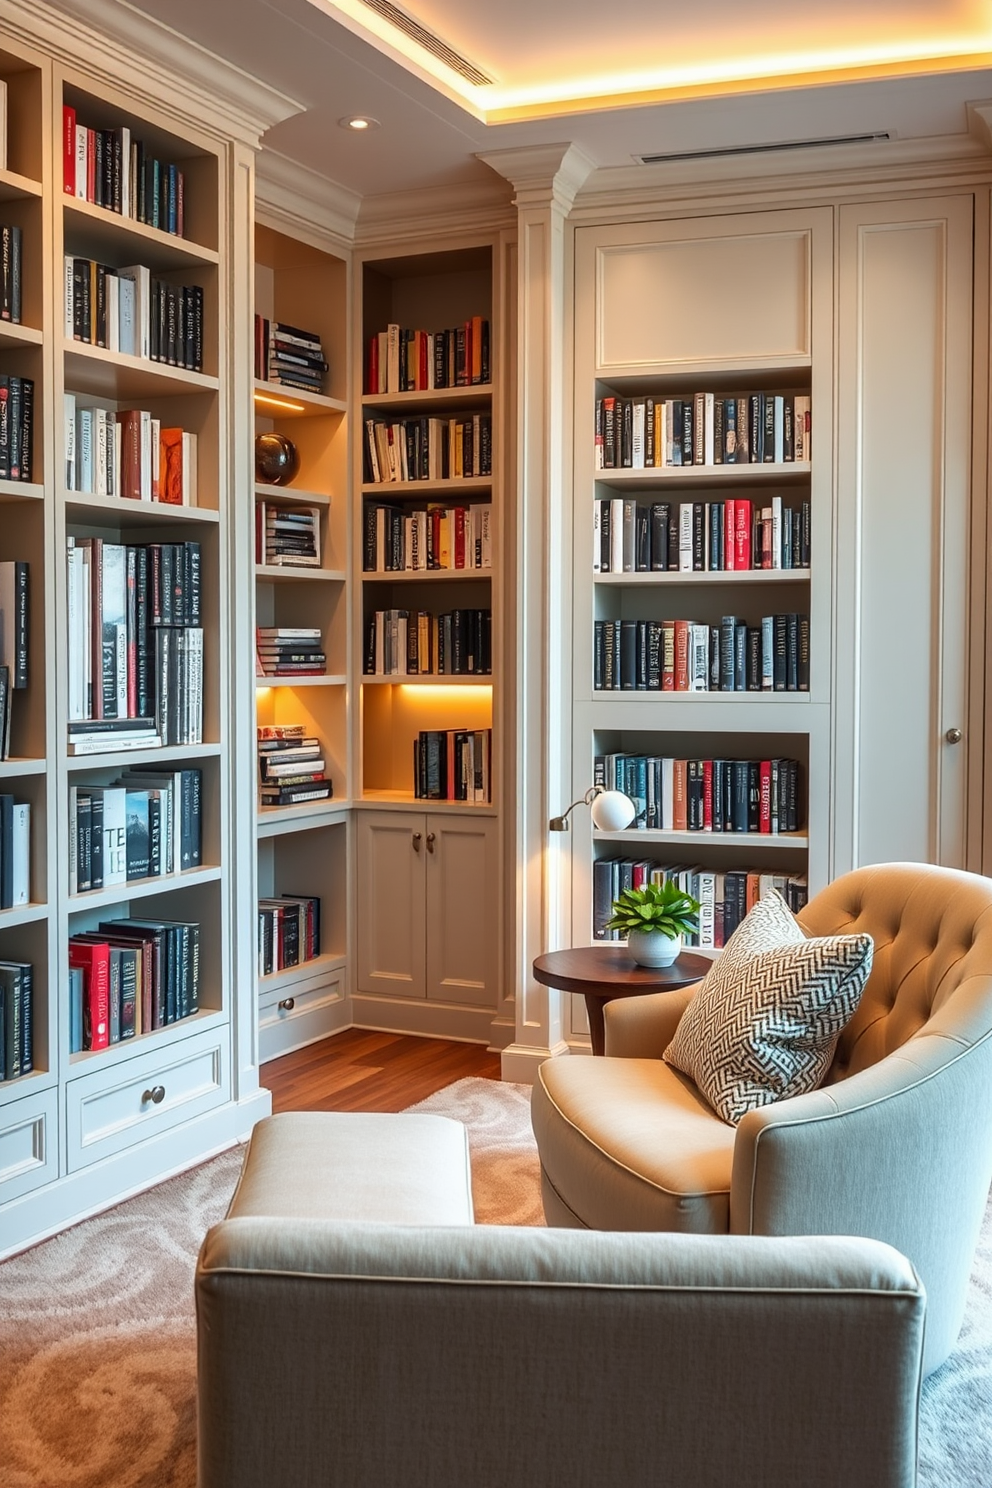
895	1145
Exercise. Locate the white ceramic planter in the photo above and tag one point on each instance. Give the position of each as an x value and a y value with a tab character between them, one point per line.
653	947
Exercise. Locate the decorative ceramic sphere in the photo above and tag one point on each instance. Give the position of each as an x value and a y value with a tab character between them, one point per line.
276	459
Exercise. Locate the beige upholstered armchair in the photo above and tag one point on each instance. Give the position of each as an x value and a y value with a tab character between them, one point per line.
895	1145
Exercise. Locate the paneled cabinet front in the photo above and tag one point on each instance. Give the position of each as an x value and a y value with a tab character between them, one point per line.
426	907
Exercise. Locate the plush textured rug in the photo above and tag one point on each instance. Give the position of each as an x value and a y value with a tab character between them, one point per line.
97	1335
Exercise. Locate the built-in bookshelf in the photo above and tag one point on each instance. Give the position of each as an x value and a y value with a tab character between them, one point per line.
116	760
302	633
701	532
427	635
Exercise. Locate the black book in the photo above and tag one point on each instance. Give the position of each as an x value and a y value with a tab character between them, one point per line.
27	1016
628	655
626	410
27	428
598	655
16	424
605	536
641	655
610	659
642	539
788	428
739	787
10	981
4	427
687	431
654	656
719	415
792	653
728	651
802	654
673	538
660	514
698	537
768	452
754	658
694	795
715	513
740	657
756	433
753	795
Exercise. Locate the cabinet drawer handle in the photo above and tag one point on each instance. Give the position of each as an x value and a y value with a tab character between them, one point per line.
416	841
288	1004
954	736
156	1095
431	839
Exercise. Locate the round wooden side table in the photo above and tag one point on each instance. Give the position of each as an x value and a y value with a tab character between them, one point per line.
602	972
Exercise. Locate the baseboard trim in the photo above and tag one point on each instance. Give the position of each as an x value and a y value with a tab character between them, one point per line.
521	1062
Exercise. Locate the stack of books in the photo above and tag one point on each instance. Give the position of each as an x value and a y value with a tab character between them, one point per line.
290	766
129	977
128	454
113	170
453	765
289	356
287	536
144	825
289	651
16	427
126	310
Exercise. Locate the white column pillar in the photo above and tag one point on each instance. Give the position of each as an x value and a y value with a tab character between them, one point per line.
545	180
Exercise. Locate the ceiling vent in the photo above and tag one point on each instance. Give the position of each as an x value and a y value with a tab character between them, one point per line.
430	43
779	145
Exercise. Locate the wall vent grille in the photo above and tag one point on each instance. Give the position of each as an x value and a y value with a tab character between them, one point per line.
778	145
431	43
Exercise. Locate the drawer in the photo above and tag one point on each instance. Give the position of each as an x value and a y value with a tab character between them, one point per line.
29	1149
109	1110
315	1013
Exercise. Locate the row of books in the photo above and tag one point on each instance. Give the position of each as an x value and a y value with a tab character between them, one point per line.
289	651
428	449
399	643
289	356
724	897
287	536
129	977
16	1019
126	310
409	361
291	766
135	643
702	429
145	825
127	453
706	795
16	428
398	540
6	711
686	656
11	254
453	765
699	536
288	932
15	852
111	169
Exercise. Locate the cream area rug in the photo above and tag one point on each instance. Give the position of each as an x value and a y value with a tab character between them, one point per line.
98	1342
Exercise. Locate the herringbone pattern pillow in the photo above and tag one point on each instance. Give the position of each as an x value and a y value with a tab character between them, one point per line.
765	1021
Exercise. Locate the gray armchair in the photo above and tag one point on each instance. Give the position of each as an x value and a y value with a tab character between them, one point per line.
896	1145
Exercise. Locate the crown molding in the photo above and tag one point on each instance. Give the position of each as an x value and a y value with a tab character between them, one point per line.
542	174
303	200
145	59
473	208
935	163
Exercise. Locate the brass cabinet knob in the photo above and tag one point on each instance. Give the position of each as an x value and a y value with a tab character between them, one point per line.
156	1095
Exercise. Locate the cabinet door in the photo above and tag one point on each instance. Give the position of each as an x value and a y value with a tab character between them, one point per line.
461	910
391	903
904	455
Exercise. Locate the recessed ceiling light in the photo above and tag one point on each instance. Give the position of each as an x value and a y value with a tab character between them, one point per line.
359	123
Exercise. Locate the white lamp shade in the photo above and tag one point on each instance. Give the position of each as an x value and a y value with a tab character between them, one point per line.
612	811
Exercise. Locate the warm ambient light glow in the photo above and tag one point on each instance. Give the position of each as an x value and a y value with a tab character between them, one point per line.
424	690
280	402
359	123
735	72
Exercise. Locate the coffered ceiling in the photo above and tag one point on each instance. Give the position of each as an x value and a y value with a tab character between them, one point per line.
622	80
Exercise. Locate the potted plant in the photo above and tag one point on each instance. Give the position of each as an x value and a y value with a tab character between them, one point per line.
655	918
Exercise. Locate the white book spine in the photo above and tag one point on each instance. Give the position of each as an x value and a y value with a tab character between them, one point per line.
616	535
81	151
69	435
20	855
776	531
685	537
699	675
637	435
708	436
597	536
67	298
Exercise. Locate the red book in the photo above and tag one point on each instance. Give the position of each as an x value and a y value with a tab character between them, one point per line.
94	958
707	795
682	656
372	366
423	380
68	149
729	534
765	796
459	555
130	422
742	535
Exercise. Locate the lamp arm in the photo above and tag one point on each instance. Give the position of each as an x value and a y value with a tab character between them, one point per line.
561	823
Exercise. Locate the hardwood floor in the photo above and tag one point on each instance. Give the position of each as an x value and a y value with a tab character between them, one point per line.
361	1070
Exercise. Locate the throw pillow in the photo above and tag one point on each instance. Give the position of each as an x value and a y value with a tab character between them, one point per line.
765	1021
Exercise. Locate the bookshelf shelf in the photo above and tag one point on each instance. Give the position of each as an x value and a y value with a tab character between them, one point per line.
477	395
275	821
20	491
272	399
288	573
688	476
18	334
14	187
722	577
407	801
427	575
100	233
158	1040
141	888
116	375
306	971
290	494
83	506
721	841
426	679
403	490
327	679
24	914
11	768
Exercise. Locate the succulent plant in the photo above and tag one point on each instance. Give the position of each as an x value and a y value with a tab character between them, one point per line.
661	907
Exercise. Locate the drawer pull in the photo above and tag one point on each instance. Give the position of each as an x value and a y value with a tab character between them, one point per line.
288	1004
156	1095
416	841
431	839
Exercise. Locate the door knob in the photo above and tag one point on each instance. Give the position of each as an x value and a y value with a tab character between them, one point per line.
954	736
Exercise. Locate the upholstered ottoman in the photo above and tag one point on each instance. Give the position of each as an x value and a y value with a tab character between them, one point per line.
356	1166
